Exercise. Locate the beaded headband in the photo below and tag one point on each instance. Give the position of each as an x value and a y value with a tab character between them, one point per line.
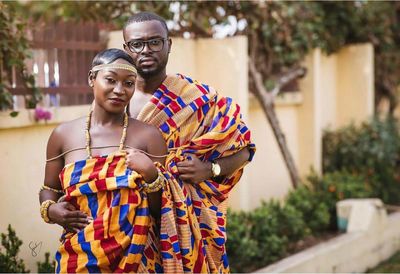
115	66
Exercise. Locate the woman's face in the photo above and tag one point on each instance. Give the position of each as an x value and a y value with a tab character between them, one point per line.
113	88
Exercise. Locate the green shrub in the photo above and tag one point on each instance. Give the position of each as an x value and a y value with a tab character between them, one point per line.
9	261
241	248
314	210
254	239
263	236
293	224
46	266
336	186
371	150
266	224
260	237
359	162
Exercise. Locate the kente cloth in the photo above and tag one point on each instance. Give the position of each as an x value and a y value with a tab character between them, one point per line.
123	236
194	118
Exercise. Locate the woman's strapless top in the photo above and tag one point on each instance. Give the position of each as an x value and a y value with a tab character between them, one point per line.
121	237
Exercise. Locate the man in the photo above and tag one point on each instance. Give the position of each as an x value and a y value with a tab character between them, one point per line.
208	146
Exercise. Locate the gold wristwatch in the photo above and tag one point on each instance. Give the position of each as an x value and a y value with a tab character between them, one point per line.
215	169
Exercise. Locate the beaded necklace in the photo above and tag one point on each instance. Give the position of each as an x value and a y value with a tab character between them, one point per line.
87	133
88	148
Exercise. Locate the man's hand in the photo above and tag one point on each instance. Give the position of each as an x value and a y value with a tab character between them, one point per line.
66	215
192	170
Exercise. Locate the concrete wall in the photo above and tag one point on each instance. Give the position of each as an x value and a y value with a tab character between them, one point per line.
267	174
372	237
337	90
23	155
355	83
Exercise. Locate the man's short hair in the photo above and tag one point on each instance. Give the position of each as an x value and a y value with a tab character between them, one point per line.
146	16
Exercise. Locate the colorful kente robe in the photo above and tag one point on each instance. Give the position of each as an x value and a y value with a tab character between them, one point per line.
123	236
193	118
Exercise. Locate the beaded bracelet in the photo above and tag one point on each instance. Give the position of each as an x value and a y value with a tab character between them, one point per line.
156	185
43	187
44	210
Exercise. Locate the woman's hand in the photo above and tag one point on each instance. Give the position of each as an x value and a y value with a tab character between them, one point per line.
142	164
66	215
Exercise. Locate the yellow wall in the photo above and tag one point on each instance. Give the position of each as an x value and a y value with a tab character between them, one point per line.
336	90
329	86
23	158
23	154
355	81
310	116
267	174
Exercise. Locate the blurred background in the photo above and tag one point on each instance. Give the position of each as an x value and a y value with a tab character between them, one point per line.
318	84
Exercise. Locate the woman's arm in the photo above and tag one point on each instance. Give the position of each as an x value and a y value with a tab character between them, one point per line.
53	168
62	213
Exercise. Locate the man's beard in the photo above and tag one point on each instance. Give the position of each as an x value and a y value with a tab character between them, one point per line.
145	74
149	73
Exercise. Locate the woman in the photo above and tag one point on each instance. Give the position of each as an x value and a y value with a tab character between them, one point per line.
106	166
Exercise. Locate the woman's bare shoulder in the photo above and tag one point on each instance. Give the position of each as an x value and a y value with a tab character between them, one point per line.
150	138
63	134
146	130
68	128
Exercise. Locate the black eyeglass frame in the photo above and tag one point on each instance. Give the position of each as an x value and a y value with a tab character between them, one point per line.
146	42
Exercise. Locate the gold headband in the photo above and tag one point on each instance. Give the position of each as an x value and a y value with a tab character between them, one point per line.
115	66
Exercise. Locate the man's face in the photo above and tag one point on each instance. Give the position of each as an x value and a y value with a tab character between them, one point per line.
151	57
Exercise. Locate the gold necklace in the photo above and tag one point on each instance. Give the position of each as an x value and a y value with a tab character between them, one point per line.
87	133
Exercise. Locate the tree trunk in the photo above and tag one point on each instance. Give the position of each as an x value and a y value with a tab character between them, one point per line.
266	100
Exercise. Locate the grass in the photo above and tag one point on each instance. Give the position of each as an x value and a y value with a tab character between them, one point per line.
392	265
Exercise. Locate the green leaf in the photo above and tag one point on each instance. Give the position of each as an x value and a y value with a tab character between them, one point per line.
14	113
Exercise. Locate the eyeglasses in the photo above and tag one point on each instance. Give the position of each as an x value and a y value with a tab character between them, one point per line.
154	45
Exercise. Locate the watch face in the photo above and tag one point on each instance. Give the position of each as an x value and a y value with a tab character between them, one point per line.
216	169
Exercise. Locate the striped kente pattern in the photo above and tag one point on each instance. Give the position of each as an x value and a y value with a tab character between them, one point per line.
122	237
193	118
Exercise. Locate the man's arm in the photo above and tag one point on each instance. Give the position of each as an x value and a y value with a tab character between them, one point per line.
193	170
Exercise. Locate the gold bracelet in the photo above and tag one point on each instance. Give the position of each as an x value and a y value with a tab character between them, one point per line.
58	191
44	210
156	185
